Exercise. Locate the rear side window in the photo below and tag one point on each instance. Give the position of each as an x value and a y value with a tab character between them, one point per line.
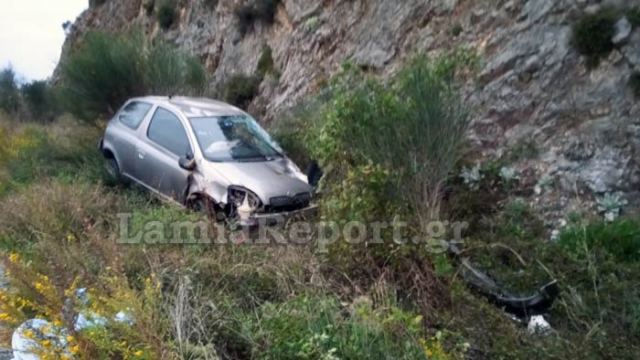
167	131
133	113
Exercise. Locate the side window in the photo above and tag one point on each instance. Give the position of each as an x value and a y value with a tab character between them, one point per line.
167	131
133	113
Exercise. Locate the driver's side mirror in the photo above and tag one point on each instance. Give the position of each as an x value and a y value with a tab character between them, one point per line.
187	162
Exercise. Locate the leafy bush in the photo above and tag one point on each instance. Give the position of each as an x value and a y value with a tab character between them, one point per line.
592	35
108	69
40	100
166	14
413	128
255	10
240	90
9	95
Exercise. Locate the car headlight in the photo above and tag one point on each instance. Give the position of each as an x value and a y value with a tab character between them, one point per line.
237	195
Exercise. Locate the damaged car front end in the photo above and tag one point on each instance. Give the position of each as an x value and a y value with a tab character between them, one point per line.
206	155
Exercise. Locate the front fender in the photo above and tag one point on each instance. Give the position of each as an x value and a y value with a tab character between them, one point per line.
216	190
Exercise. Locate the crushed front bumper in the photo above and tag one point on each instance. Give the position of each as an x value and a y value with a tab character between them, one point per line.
271	219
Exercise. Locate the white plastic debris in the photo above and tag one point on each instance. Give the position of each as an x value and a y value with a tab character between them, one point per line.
23	340
24	345
538	325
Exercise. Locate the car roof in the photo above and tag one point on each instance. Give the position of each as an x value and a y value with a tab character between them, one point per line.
193	106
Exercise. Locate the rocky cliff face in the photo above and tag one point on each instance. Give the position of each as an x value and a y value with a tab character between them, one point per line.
577	130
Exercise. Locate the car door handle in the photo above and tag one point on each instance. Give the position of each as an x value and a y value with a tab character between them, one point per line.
141	155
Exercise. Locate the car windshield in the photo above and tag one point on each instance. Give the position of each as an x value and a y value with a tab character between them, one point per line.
233	138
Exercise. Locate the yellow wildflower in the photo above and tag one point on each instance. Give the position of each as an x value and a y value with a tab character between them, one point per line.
14	257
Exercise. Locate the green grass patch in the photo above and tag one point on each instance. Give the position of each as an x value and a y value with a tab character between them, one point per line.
620	239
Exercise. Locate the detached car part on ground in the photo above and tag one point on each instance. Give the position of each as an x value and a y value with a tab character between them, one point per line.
206	155
522	306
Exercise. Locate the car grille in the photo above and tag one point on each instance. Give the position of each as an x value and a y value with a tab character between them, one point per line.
288	203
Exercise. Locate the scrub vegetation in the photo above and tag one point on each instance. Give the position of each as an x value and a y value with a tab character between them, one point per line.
389	149
108	69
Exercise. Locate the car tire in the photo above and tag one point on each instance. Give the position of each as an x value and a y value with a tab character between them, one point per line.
114	176
203	205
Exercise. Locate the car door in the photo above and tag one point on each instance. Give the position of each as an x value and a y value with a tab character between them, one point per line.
123	134
158	154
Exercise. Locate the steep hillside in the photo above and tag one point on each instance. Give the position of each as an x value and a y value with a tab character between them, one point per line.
572	130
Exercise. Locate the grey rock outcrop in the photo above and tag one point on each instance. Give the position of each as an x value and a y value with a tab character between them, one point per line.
532	87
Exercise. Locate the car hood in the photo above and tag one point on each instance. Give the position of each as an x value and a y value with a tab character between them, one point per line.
267	179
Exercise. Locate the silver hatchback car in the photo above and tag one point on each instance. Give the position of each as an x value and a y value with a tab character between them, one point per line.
205	155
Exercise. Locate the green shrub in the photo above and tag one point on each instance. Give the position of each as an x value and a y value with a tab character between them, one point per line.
620	239
9	95
107	69
101	74
413	127
634	83
254	11
40	100
240	90
166	14
592	35
291	128
265	63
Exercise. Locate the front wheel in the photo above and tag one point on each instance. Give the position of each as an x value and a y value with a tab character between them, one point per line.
113	174
204	205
